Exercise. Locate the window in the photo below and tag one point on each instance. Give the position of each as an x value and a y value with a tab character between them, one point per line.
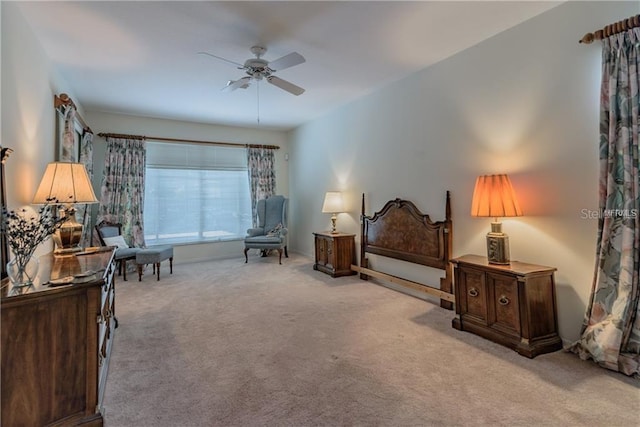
195	193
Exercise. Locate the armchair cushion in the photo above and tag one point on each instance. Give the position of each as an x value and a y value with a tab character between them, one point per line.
123	250
255	232
126	253
263	242
117	241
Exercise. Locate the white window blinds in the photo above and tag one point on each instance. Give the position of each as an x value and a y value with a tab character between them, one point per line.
195	193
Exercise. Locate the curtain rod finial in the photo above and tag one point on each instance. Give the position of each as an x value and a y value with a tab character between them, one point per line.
587	38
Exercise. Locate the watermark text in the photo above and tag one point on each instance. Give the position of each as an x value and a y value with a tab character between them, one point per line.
608	213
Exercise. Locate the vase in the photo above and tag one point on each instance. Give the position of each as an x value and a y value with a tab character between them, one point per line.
22	271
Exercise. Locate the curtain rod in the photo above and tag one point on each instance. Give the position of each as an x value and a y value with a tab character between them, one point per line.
64	99
158	138
615	28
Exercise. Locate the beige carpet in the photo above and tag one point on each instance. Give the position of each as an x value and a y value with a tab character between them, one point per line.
231	344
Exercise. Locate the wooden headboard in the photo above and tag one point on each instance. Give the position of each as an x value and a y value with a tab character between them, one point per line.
399	230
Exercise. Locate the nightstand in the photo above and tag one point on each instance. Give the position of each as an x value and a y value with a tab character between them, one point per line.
335	252
513	305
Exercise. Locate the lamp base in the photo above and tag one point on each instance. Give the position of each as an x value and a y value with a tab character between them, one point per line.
333	224
68	237
497	245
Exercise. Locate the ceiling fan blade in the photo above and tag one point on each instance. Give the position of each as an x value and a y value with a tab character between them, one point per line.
222	59
283	84
242	83
287	61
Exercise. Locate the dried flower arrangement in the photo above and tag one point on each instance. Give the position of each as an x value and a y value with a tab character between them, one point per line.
24	231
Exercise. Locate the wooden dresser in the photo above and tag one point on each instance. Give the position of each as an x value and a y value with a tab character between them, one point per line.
513	305
56	342
335	252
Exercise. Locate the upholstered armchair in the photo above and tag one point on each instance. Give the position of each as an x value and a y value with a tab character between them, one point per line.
110	234
271	232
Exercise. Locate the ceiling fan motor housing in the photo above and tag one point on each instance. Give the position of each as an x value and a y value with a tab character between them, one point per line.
257	67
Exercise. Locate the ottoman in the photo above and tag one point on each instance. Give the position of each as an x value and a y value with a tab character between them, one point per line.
154	256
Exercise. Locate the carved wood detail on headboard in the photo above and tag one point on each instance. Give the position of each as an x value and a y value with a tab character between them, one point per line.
399	230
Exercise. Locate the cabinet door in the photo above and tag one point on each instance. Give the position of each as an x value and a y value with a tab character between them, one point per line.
473	295
323	251
44	375
330	261
321	256
504	313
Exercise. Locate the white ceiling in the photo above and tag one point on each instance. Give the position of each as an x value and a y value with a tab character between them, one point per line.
141	57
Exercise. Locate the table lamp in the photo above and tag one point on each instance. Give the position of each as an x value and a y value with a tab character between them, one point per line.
493	196
333	205
67	184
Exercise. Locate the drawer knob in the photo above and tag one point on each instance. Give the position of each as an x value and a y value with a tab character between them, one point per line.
473	292
503	300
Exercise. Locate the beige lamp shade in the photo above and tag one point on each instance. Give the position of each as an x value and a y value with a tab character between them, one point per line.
493	196
65	182
333	202
333	205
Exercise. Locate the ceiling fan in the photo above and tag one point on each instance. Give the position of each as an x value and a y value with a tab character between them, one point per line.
259	69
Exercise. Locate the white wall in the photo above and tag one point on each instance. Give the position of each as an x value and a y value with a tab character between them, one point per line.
29	83
524	102
119	123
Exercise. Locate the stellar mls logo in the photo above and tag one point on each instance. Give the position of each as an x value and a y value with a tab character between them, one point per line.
608	213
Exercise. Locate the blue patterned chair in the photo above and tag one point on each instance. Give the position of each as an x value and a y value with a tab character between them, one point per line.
271	232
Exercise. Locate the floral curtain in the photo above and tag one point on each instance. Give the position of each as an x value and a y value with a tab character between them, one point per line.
611	330
68	152
262	176
83	213
122	192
